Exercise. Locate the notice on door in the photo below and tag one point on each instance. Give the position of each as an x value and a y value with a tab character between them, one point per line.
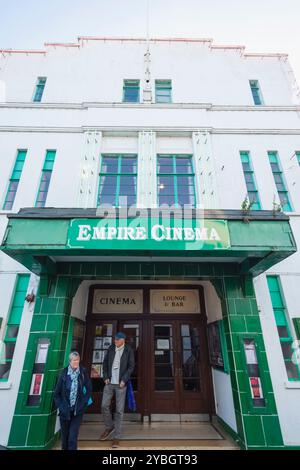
118	301
174	301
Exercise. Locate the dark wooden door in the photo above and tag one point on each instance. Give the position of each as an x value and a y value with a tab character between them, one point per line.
178	377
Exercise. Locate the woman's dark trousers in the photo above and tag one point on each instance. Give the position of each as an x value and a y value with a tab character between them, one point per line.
69	431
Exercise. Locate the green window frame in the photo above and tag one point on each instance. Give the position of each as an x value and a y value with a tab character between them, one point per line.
163	91
175	180
283	327
14	180
131	91
298	157
39	89
45	178
256	92
250	180
13	324
279	180
117	180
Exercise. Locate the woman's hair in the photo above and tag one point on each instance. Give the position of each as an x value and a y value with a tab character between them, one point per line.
74	355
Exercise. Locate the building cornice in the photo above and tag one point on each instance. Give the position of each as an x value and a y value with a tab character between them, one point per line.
134	129
94	104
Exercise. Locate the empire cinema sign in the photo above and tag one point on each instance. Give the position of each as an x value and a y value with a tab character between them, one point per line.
148	234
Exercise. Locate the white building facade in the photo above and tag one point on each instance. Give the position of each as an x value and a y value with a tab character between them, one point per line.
98	139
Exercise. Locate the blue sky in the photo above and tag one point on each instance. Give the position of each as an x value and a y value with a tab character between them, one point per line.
260	25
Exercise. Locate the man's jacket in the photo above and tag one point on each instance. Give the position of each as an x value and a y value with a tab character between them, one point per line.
126	363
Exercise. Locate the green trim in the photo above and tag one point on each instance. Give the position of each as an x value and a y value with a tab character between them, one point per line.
161	85
279	175
134	85
249	174
47	170
14	179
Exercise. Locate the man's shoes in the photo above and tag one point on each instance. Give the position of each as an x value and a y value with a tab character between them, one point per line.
105	435
115	444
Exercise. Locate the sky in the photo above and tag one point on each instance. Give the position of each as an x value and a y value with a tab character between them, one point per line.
260	25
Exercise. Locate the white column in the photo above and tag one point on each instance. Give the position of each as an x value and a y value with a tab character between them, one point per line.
89	169
146	182
205	172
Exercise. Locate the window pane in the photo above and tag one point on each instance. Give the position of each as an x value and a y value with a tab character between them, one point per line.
109	165
4	370
292	370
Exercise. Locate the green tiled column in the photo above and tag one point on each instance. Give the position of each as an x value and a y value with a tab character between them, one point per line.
33	427
258	427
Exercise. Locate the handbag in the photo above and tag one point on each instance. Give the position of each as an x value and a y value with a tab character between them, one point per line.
130	397
90	402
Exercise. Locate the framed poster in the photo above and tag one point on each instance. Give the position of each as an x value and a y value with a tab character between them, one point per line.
215	345
36	384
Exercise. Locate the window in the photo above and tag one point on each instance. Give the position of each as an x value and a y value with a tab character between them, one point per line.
250	180
131	91
217	345
279	182
45	179
118	177
163	91
298	157
283	328
175	179
256	93
14	180
13	324
39	89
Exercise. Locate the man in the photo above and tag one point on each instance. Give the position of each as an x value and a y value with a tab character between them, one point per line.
118	366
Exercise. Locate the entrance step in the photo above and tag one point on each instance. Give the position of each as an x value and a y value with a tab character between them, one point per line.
180	418
98	418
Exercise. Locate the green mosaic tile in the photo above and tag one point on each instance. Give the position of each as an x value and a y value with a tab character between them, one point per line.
133	269
88	269
64	268
253	324
233	287
272	430
237	324
103	269
52	376
254	306
19	431
239	360
243	307
231	307
236	342
254	431
62	286
118	269
64	306
37	431
239	425
51	426
38	304
271	403
49	305
55	323
244	398
20	402
191	269
147	269
176	269
38	323
243	381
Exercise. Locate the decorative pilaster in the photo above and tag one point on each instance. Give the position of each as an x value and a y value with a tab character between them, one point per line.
87	190
205	172
146	184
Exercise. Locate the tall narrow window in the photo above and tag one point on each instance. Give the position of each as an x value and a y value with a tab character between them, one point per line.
175	180
13	324
250	180
131	91
39	89
283	328
298	157
118	179
163	91
279	182
45	179
256	93
14	180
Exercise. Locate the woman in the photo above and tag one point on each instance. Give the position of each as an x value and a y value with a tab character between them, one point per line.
71	396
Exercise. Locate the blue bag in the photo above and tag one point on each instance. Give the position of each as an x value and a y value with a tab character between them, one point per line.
130	397
90	402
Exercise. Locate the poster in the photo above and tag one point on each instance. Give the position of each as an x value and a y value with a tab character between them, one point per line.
36	384
98	341
163	344
42	352
96	371
106	342
98	356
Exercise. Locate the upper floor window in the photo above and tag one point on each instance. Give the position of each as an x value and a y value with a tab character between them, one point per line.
45	178
39	89
14	180
256	93
298	157
131	91
118	180
283	193
250	180
175	180
163	91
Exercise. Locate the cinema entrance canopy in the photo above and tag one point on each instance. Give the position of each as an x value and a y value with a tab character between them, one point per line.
40	239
